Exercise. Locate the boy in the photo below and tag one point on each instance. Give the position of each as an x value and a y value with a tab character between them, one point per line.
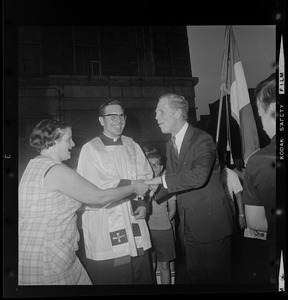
162	236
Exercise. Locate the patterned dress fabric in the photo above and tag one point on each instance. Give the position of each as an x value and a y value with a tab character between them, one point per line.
48	235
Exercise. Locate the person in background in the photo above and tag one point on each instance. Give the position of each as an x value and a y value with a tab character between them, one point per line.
259	188
116	237
239	169
193	174
50	193
159	221
233	190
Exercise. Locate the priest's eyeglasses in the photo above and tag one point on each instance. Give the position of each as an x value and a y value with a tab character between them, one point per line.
115	117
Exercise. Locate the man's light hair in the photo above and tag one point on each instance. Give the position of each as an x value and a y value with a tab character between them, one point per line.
177	102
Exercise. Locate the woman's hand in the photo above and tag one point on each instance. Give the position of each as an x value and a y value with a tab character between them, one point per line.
140	187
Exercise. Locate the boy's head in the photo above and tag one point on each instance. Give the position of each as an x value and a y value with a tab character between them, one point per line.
155	161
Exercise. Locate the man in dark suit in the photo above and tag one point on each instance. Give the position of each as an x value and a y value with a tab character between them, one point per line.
193	174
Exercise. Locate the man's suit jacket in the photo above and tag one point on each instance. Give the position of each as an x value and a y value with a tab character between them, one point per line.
196	182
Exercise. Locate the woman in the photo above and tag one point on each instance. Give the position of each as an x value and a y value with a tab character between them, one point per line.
259	190
50	193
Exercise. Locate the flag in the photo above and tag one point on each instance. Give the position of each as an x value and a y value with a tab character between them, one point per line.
233	82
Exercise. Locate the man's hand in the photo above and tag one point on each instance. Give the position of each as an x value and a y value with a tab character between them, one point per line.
140	212
140	187
154	181
153	187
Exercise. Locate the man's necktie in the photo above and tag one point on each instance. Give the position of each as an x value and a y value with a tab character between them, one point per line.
175	149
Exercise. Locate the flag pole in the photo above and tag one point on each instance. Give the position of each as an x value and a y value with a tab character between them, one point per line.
219	115
228	141
222	89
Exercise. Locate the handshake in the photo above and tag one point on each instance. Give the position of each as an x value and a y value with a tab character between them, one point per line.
141	186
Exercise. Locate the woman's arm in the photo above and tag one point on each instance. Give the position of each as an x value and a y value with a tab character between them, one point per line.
67	181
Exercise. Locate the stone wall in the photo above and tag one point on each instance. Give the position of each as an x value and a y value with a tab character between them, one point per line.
76	99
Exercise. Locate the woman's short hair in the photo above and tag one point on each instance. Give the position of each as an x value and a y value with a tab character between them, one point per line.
46	133
265	91
177	102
